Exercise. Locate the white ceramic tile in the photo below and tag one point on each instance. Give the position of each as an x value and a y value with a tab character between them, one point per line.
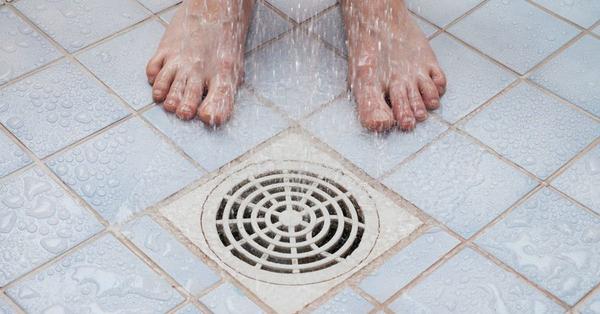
441	12
124	70
38	221
157	5
168	15
101	277
472	79
514	32
347	301
591	306
5	308
470	283
330	27
228	299
575	74
467	188
425	26
76	24
124	170
265	25
301	10
407	264
22	49
582	12
597	30
297	73
57	107
11	156
251	124
189	309
533	129
338	126
552	241
170	254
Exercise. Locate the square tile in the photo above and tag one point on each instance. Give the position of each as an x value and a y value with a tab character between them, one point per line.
22	49
213	148
265	26
56	107
301	10
470	283
6	308
552	241
582	12
441	12
38	221
172	256
575	74
407	264
473	79
12	157
591	306
347	301
124	170
330	28
533	129
157	5
124	70
189	309
101	277
168	15
514	32
427	28
338	126
305	73
229	299
76	24
467	189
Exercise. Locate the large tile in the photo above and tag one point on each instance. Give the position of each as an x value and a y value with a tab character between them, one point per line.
170	254
124	170
591	306
57	107
157	5
22	49
575	74
406	265
347	301
265	25
297	73
251	124
473	79
228	299
301	10
552	241
6	308
582	12
189	309
38	221
514	32
441	12
466	189
338	126
101	277
124	70
469	283
11	156
533	129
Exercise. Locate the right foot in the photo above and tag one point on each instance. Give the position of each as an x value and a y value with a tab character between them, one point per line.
202	49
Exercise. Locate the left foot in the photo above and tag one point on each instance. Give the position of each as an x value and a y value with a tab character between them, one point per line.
388	55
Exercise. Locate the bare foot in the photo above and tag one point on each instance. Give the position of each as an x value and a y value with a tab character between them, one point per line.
389	56
202	49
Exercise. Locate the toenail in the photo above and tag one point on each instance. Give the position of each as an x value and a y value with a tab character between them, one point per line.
157	92
421	112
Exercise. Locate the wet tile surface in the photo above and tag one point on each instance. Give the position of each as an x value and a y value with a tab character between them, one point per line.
347	301
12	157
170	254
38	221
229	299
57	107
168	15
551	241
265	25
441	12
514	32
592	306
532	129
330	28
103	276
582	12
301	10
5	308
575	74
468	189
189	309
157	5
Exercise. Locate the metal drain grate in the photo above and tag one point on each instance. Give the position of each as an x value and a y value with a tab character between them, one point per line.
290	222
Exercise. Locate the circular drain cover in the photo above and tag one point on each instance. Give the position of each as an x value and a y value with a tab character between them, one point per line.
290	222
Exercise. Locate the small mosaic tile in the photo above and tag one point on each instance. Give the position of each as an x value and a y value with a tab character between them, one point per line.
213	148
56	107
189	309
591	306
12	157
301	10
406	265
514	32
76	24
582	12
474	80
124	70
170	255
229	299
6	308
38	221
265	25
347	301
338	126
124	170
534	130
157	5
441	12
22	49
552	241
575	74
101	277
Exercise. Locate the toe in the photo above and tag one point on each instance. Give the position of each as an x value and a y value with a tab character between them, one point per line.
218	104
373	112
175	93
163	82
416	102
191	99
153	67
403	112
430	96
439	79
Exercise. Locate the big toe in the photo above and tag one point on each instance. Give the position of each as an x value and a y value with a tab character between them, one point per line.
153	68
374	113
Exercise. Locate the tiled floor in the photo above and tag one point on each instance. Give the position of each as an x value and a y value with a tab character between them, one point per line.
504	178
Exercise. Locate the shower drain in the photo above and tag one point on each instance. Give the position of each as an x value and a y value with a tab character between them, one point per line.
290	222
